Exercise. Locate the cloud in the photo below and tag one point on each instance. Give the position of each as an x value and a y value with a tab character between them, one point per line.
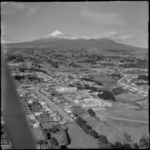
11	7
33	10
16	5
103	18
109	34
134	37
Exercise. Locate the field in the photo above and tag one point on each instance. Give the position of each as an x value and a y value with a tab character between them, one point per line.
115	130
122	111
128	97
78	137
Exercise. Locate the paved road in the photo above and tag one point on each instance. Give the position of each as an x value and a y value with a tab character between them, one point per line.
27	107
54	107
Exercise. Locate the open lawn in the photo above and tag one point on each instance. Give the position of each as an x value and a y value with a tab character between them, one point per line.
115	129
128	97
122	111
79	139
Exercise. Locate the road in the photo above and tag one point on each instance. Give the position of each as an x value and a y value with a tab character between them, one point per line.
123	119
27	106
54	107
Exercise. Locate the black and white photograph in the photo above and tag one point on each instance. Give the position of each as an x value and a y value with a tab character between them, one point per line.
75	75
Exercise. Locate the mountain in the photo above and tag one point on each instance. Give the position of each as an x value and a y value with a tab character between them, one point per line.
59	35
66	41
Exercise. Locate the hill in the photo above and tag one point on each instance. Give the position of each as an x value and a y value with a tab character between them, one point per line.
66	41
103	44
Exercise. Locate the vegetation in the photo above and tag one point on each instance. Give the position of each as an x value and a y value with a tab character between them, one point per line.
103	139
144	142
91	112
117	91
54	141
80	121
118	145
143	77
93	133
118	76
11	57
127	138
142	64
135	146
41	142
17	77
37	70
78	110
106	95
64	138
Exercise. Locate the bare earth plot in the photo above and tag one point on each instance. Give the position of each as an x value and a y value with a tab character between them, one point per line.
79	139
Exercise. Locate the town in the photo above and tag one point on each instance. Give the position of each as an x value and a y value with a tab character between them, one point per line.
58	98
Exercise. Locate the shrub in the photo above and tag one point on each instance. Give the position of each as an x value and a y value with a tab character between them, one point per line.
103	139
106	95
143	77
117	90
91	112
104	146
144	142
126	146
135	146
118	145
54	141
86	128
79	120
93	133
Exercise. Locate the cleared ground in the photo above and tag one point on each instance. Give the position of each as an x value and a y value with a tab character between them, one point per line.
79	139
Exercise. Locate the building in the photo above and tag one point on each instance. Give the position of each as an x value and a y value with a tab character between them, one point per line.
66	89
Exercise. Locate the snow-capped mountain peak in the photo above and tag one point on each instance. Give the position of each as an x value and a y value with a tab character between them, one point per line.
56	33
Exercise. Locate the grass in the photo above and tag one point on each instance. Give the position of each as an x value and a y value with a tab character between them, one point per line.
114	129
79	139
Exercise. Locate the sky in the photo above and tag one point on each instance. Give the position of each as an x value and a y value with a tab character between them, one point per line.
125	22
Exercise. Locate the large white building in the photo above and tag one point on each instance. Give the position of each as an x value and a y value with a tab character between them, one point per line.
66	89
93	102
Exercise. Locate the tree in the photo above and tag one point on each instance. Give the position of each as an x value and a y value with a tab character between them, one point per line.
54	141
126	146
93	133
11	57
85	129
91	112
48	135
19	58
80	121
144	142
106	95
118	145
135	146
64	138
104	146
127	138
55	129
41	142
103	139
